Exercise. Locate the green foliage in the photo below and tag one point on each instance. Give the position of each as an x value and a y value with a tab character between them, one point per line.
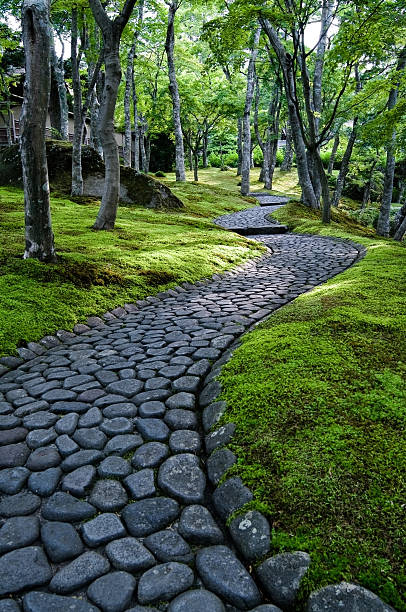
215	160
280	154
258	157
317	394
231	159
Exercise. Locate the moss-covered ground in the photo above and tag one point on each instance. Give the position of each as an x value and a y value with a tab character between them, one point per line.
319	399
147	252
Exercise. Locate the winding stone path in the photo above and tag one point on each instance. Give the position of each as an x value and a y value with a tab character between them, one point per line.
103	477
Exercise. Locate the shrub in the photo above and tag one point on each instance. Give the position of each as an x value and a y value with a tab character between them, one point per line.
231	159
214	160
258	157
280	154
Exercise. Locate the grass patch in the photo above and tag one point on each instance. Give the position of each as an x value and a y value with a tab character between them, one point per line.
318	397
147	252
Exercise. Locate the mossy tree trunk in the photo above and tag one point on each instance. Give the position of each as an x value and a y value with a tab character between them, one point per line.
39	238
286	165
333	153
246	122
77	178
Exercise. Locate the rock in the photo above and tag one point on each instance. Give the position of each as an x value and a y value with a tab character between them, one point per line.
83	457
9	605
79	572
113	592
212	390
212	414
181	476
281	576
130	555
185	441
66	446
223	573
108	495
163	582
128	387
67	424
348	597
230	496
182	400
196	601
10	436
152	429
22	569
90	438
118	425
43	458
114	467
218	463
189	384
198	526
150	455
12	479
266	608
14	455
102	529
64	507
141	484
151	410
45	602
61	541
168	545
20	504
40	420
181	419
251	535
150	515
220	437
123	444
79	481
18	532
44	483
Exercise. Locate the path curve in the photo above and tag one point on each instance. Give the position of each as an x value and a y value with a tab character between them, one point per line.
103	484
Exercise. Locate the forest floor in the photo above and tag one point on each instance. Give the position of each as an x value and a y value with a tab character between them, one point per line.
317	392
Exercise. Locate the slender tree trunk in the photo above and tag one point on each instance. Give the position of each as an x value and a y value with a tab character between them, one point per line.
205	145
147	152
384	213
345	164
333	154
286	165
190	154
136	127
39	238
400	230
326	19
195	165
174	91
127	101
143	155
368	186
77	179
239	146
58	76
400	220
246	124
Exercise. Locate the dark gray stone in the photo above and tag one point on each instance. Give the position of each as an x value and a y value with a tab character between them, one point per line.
44	483
66	446
45	602
198	526
200	368
218	463
157	382
9	605
168	545
90	438
12	480
181	419
83	457
13	455
12	435
114	467
17	532
67	424
79	481
113	592
102	529
181	477
125	409
61	541
152	410
152	429
164	582
91	418
149	515
150	454
220	437
230	496
43	458
23	569
119	425
348	597
123	444
9	421
141	484
182	400
19	504
173	371
40	420
212	414
40	437
128	387
184	441
266	608
189	384
280	577
196	601
79	573
130	555
108	495
59	395
64	407
223	573
251	535
64	507
211	391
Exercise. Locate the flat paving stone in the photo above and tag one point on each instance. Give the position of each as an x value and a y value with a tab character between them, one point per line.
13	455
79	573
178	418
185	441
251	534
17	532
61	541
103	529
108	495
20	504
63	507
44	483
152	429
82	457
43	458
196	601
168	545
141	484
198	526
22	569
152	410
130	555
45	602
150	454
164	582
149	515
79	481
12	480
124	409
112	592
67	424
90	438
123	444
118	425
181	477
114	467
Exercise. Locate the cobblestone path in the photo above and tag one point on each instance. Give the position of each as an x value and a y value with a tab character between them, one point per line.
105	481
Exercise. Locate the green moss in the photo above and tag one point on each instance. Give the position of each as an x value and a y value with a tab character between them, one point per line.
318	397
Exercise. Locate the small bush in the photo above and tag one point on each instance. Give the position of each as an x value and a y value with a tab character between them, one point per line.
231	159
325	158
215	160
258	157
280	154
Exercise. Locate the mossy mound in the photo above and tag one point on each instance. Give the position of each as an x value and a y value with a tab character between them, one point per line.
136	188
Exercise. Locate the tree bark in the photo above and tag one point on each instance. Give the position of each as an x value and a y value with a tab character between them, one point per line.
127	101
60	122
77	179
286	165
333	154
136	127
401	229
174	91
111	31
39	238
345	164
239	146
367	190
246	124
205	142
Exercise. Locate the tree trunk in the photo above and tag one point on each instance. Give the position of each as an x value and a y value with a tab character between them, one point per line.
61	123
333	154
345	164
239	146
190	154
286	165
77	179
368	186
205	145
326	19
136	127
39	238
400	220
195	166
174	91
383	219
246	124
401	230
147	152
143	156
127	112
